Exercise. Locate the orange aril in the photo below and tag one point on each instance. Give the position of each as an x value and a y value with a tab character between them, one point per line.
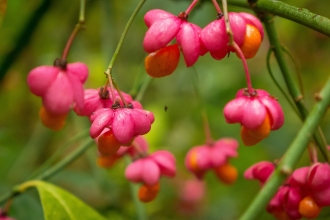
251	43
108	144
107	161
147	193
308	208
162	62
193	161
50	120
253	136
227	173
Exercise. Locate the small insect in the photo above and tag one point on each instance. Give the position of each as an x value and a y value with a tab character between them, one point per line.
165	108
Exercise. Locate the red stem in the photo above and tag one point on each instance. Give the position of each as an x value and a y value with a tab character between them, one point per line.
246	69
191	6
71	38
207	130
312	153
216	5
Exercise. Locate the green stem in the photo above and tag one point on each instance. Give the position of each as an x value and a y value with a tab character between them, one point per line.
299	15
108	72
206	125
290	82
82	11
66	161
299	78
278	84
30	153
57	154
139	207
143	88
123	35
291	157
53	170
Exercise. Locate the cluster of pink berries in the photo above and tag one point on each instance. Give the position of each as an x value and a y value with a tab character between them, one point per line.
304	193
195	41
214	156
117	121
256	110
258	113
59	86
145	169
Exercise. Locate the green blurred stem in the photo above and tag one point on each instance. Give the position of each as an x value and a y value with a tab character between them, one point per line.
143	88
58	153
206	125
299	15
24	37
53	170
82	11
67	160
290	82
140	208
291	157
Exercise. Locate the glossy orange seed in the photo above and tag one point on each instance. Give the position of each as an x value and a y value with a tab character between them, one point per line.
107	144
227	173
50	120
162	62
251	137
148	193
308	208
252	42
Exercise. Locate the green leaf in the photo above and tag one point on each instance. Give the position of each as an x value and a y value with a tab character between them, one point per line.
3	7
59	204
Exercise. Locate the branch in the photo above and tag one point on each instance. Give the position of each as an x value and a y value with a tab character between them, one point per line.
290	82
299	15
291	157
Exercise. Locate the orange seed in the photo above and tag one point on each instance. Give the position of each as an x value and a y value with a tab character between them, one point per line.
148	193
50	120
252	42
253	136
107	143
308	208
227	173
162	62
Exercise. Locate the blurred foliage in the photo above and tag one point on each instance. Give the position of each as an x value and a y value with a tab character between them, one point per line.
25	144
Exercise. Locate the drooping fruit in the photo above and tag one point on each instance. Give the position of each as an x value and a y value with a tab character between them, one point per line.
162	62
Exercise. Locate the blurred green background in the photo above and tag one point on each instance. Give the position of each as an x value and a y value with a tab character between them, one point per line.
34	33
